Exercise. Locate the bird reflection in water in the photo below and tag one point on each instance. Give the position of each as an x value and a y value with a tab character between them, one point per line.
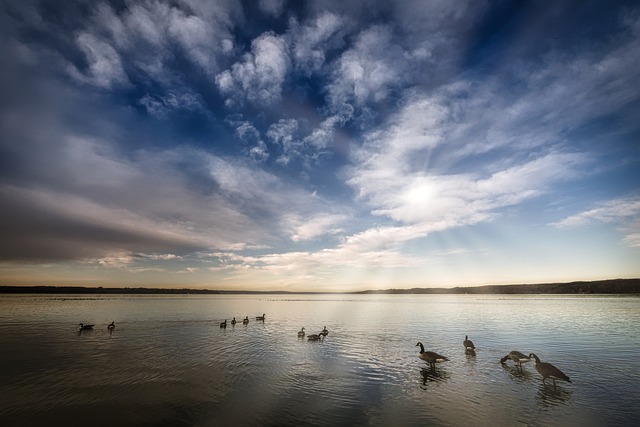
549	395
517	372
84	328
432	375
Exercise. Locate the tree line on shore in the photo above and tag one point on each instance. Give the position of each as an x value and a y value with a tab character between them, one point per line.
611	286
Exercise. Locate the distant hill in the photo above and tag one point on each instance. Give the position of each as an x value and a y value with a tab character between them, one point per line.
612	286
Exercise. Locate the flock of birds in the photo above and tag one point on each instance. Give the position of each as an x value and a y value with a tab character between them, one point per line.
82	327
245	321
547	370
301	333
314	337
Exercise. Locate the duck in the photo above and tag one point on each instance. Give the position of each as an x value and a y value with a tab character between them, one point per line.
233	322
314	337
324	332
223	324
245	321
468	344
430	357
111	326
84	327
517	357
301	333
260	317
547	370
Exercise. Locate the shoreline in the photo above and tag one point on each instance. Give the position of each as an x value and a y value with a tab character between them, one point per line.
610	286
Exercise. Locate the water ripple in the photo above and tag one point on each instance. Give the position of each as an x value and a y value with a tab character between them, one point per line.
168	361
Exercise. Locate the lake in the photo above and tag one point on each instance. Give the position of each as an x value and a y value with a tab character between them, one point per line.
168	362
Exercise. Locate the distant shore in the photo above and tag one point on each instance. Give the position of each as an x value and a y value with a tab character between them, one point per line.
611	286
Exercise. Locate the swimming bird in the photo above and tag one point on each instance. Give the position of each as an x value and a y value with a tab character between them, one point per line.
260	317
233	322
324	332
314	337
517	357
301	333
84	327
547	370
430	357
111	326
245	321
468	344
223	324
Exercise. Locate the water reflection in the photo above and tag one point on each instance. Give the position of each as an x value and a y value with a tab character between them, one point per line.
517	372
170	363
549	395
432	375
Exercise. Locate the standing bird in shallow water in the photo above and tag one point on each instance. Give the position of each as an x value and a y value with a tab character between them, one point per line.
301	333
260	317
233	322
468	344
245	321
324	332
84	327
547	370
314	337
517	357
111	326
430	357
223	324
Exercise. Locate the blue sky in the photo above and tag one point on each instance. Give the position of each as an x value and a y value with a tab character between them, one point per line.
318	145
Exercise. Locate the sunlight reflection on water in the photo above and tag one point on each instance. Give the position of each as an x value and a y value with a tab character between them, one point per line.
169	363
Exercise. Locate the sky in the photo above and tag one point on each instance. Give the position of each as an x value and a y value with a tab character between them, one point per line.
318	145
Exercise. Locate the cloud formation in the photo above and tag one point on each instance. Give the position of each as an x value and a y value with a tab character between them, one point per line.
322	145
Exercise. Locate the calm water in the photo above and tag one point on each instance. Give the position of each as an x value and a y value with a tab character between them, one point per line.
169	363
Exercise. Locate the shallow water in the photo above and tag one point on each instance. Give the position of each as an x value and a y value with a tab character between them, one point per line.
169	363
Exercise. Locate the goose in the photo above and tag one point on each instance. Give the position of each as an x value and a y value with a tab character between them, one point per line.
324	332
84	327
301	333
260	317
233	322
517	357
245	321
111	326
468	344
314	337
430	357
547	370
223	324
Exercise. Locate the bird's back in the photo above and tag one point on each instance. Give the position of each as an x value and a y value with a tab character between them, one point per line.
431	357
547	370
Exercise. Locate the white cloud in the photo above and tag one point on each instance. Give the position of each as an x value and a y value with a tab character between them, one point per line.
105	65
633	239
369	71
147	35
310	227
395	175
612	211
624	213
250	135
260	76
311	42
161	106
284	133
